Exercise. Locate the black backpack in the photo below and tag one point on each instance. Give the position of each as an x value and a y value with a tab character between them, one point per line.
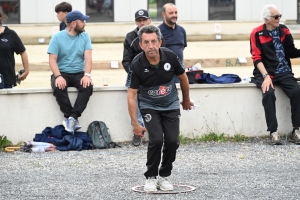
99	134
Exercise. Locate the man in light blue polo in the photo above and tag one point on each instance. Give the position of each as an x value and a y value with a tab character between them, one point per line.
70	60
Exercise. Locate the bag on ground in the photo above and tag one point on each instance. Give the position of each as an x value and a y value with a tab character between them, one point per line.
99	134
223	79
194	75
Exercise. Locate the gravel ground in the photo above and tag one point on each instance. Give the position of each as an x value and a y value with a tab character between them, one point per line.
249	170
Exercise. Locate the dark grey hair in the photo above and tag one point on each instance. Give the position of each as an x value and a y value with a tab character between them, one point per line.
149	29
266	13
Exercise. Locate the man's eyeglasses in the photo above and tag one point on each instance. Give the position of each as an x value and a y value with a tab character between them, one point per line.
277	16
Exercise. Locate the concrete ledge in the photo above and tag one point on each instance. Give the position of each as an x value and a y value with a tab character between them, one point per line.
225	108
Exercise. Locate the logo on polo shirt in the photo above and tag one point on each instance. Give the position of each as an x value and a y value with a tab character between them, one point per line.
4	40
167	66
161	92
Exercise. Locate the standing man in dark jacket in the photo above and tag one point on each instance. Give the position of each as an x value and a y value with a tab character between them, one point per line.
131	43
131	49
272	46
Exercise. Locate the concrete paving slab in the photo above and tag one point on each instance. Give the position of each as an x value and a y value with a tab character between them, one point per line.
228	170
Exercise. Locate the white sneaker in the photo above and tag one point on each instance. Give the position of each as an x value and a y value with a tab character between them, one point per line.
163	183
150	185
69	124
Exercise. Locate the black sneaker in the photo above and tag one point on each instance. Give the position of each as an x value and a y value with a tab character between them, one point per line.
275	139
136	141
295	137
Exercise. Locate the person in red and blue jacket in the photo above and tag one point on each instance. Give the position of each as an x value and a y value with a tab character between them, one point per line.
272	46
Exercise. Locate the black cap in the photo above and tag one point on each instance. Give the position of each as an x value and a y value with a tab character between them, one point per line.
142	13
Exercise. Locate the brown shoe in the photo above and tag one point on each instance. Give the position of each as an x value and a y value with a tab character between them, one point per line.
275	139
295	137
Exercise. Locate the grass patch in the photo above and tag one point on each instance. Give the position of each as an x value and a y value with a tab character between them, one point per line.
212	137
239	138
4	142
187	140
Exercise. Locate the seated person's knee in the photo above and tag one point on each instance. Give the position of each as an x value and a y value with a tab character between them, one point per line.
270	92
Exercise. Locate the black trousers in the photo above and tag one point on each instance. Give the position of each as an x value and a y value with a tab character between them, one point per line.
62	97
163	129
291	88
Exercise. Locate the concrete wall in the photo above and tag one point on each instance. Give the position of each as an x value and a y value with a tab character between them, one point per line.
250	10
124	9
229	108
192	10
42	11
116	32
39	22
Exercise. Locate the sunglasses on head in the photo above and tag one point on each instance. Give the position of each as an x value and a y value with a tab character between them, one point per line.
277	16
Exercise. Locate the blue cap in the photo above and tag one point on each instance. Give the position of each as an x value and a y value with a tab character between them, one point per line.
74	15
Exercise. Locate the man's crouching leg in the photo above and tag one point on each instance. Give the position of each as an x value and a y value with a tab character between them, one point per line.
170	121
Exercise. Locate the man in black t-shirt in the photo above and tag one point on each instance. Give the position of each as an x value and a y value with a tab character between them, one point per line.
152	77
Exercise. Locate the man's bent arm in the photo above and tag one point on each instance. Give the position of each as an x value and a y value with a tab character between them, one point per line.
184	85
261	68
131	98
267	80
88	61
127	56
25	63
53	64
132	109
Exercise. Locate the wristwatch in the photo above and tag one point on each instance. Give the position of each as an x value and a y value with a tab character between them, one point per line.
87	74
265	75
